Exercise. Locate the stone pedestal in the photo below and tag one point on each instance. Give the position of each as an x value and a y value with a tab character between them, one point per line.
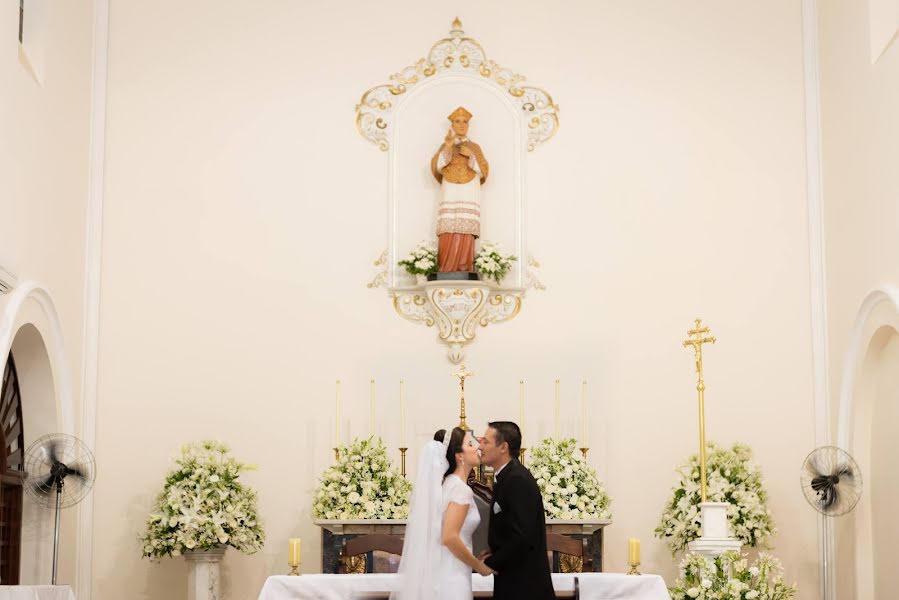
203	573
716	535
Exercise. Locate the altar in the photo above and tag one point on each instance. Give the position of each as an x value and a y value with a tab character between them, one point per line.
585	586
573	546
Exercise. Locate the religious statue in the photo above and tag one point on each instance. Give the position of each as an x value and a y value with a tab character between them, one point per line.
460	168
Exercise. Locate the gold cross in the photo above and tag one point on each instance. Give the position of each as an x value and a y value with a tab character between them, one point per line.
462	374
697	338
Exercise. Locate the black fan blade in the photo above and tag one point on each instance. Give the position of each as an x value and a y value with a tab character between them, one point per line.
45	485
52	451
826	489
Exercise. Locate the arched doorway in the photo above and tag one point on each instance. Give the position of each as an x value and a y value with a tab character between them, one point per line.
12	474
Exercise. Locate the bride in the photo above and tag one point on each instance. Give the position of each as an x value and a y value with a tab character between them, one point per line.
437	560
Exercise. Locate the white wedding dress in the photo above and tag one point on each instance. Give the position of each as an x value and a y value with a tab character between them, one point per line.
428	570
455	575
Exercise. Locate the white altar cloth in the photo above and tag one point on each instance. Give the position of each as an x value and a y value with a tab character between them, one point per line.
593	586
36	592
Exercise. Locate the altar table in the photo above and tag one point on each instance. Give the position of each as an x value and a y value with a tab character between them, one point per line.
590	586
36	592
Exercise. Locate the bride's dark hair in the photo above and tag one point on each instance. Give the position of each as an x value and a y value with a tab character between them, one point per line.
455	445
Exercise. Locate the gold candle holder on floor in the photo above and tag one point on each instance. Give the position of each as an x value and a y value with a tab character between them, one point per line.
584	451
336	454
521	454
403	461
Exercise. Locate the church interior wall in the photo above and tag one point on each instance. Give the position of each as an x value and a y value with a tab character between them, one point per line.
243	211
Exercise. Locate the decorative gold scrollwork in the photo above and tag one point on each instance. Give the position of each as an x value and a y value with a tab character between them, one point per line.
458	54
571	564
354	564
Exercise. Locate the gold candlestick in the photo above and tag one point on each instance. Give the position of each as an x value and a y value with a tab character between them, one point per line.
696	340
336	454
462	374
403	461
293	569
633	555
584	452
521	454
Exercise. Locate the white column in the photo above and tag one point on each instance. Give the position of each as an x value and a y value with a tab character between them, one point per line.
203	574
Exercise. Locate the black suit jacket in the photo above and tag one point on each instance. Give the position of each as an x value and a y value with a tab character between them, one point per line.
517	538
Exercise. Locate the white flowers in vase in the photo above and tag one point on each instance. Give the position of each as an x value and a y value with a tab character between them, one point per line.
362	485
203	505
731	576
569	486
422	260
492	261
733	478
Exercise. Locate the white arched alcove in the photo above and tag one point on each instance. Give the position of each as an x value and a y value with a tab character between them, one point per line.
874	337
420	124
30	329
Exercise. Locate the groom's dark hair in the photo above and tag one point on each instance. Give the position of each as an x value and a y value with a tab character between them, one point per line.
509	432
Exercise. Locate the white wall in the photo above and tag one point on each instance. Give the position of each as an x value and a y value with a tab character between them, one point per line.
243	210
44	135
860	126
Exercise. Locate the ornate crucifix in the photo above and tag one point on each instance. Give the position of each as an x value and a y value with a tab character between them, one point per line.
462	374
697	338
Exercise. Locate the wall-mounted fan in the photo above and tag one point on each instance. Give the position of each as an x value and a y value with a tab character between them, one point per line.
832	483
60	472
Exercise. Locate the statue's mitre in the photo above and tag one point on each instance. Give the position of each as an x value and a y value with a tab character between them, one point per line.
460	112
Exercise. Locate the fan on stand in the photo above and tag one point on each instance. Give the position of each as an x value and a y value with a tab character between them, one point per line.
832	483
60	472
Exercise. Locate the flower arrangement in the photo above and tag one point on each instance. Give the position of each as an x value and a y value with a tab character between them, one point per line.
492	262
202	505
362	485
730	577
422	260
733	478
569	486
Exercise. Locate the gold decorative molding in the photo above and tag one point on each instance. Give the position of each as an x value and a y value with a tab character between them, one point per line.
456	54
457	308
380	277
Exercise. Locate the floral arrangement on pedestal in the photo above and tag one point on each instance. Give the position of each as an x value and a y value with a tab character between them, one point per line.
734	478
492	261
570	487
362	484
422	260
731	577
203	505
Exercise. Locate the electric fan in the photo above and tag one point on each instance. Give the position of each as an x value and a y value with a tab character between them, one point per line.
832	483
60	473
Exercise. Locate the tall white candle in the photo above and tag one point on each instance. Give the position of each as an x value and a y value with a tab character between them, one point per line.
521	407
402	414
558	408
371	427
584	414
337	418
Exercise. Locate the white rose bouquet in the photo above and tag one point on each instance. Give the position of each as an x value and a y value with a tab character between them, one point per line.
362	485
730	577
422	260
733	478
492	261
203	505
570	487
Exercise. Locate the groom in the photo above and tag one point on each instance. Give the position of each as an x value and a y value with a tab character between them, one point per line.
517	531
